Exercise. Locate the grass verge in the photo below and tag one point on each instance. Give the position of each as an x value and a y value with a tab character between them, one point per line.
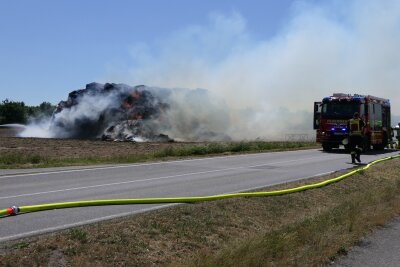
23	160
308	228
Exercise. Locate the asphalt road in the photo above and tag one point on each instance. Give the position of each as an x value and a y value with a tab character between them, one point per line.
194	177
381	248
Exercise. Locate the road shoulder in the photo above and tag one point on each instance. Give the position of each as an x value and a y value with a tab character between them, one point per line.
381	248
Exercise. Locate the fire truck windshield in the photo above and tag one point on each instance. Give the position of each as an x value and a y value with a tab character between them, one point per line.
340	110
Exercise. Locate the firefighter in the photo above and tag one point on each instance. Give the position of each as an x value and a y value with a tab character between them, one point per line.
397	129
355	126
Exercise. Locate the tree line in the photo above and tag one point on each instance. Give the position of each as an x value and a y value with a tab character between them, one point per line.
18	112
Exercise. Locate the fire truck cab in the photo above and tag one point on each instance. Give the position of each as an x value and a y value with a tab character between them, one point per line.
333	112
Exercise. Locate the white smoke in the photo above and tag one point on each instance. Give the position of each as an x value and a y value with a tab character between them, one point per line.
90	108
37	129
269	85
66	124
140	113
197	115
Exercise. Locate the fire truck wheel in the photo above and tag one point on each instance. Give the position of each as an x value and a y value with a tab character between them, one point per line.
326	147
378	147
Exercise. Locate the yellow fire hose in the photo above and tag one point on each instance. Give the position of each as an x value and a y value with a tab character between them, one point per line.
86	203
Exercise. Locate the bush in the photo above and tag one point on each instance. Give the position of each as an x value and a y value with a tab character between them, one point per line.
18	112
12	112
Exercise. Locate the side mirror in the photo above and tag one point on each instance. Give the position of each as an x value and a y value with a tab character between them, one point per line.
317	114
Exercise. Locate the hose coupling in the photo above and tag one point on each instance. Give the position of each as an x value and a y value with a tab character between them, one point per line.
14	210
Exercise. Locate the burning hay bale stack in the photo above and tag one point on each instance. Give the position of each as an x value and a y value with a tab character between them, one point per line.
113	112
120	112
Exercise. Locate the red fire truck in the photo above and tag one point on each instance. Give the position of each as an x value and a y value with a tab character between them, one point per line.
333	112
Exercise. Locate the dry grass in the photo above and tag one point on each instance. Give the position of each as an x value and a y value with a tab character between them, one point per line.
303	229
40	152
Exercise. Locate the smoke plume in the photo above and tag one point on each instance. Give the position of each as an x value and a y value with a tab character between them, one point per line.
269	84
122	112
265	87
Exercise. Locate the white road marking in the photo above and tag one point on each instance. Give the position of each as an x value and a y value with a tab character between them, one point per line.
66	226
134	165
154	178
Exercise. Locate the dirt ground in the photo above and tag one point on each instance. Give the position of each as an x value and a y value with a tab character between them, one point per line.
6	131
72	148
47	152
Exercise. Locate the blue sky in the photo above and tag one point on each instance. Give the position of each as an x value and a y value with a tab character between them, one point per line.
254	53
49	48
